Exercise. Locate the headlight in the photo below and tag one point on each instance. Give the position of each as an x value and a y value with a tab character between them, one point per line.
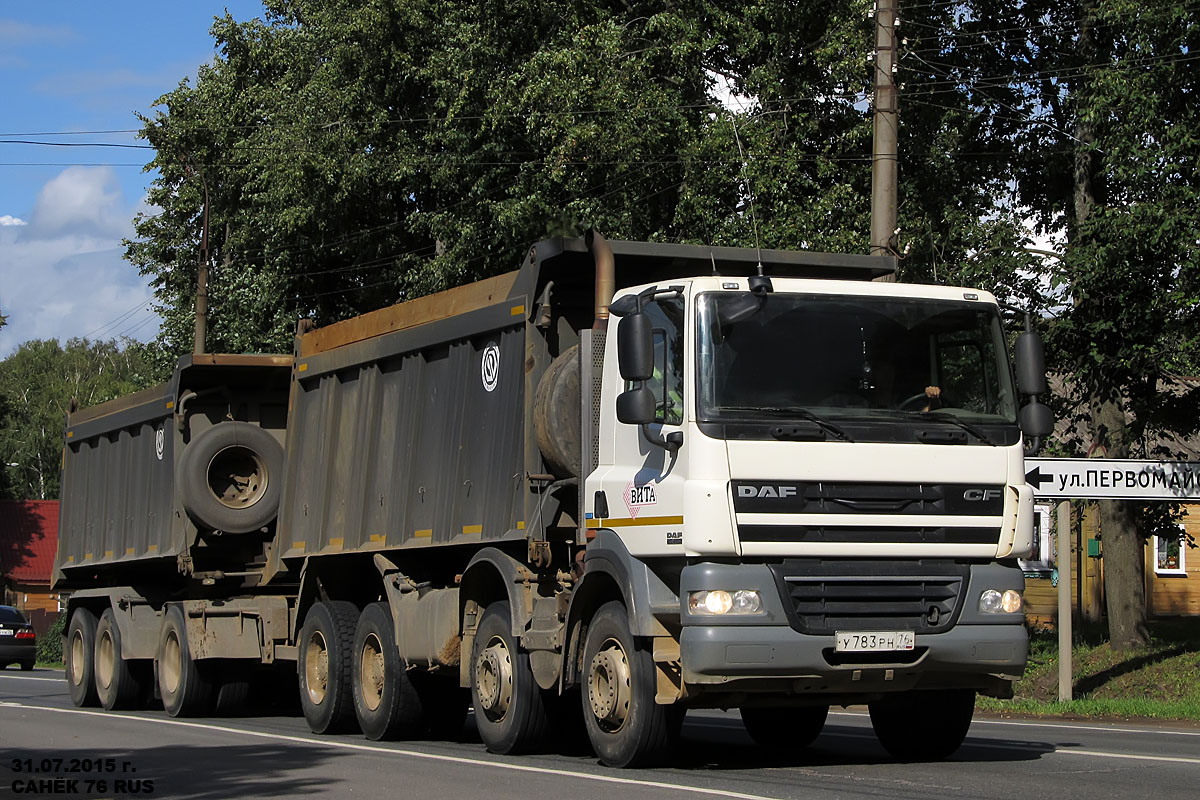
993	602
716	602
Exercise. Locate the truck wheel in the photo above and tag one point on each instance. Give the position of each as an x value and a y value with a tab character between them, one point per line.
444	705
324	666
233	693
119	683
626	727
784	730
385	702
185	686
80	657
231	476
509	711
923	726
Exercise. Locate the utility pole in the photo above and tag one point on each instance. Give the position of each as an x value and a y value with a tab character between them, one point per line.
202	278
884	143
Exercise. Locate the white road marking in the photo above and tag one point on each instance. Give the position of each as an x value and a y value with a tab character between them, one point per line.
366	748
1055	725
32	678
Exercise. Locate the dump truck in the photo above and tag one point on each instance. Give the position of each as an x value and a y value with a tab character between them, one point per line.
622	481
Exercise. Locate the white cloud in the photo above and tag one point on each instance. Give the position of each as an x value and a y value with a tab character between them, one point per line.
15	33
9	219
62	274
81	201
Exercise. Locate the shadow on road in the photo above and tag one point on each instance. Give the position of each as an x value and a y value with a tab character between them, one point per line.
721	745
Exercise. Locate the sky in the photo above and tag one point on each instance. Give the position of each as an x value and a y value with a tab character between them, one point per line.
77	72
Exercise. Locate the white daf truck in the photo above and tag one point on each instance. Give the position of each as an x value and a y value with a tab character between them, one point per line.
766	482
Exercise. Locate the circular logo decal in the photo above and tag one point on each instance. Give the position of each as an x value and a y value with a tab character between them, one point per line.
490	369
159	442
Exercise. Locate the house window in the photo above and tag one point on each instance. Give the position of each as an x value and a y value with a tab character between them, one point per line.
1169	554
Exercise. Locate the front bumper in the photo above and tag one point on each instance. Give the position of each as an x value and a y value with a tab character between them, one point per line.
971	656
771	652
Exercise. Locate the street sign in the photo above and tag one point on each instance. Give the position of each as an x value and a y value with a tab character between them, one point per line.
1114	479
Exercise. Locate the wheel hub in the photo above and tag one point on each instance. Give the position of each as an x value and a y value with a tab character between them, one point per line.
372	669
237	477
106	655
316	667
77	657
494	678
609	686
171	666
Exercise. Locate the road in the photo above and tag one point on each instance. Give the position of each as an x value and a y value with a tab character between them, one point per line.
273	754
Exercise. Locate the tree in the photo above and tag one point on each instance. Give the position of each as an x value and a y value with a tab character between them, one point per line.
37	382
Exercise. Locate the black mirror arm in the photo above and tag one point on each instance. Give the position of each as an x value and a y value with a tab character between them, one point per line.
671	442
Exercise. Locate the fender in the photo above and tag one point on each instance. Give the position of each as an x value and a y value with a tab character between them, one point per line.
648	600
489	573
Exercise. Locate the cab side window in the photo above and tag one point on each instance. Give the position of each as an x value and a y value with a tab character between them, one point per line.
666	318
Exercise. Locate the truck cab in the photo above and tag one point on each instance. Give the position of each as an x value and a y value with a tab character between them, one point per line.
827	475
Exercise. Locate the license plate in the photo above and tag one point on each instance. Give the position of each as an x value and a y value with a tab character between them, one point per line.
5	632
874	641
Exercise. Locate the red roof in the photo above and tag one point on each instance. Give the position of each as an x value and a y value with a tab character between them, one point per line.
28	539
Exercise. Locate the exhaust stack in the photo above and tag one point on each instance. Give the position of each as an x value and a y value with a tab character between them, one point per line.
606	281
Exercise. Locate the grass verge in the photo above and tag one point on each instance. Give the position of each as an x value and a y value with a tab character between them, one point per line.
1159	681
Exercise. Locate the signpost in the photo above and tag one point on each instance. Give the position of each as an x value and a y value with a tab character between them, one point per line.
1113	479
1100	479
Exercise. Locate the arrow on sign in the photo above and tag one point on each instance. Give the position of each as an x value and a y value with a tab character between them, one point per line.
1036	478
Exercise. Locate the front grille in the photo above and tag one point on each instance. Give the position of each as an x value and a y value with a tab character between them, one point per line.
824	596
842	497
842	534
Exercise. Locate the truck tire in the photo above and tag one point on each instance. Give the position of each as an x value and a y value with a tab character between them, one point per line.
782	729
233	692
80	656
324	666
626	726
185	685
385	702
119	683
923	726
556	415
444	705
230	477
509	708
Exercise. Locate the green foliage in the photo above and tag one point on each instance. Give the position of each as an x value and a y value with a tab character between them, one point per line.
49	646
37	382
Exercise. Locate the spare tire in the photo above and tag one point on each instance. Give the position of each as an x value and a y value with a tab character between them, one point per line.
230	477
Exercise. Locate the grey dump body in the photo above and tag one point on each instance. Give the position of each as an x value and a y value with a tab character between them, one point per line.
121	519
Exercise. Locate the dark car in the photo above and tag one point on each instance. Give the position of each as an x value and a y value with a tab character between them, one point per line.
18	642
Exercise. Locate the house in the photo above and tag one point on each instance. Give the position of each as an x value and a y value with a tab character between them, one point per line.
28	539
1172	569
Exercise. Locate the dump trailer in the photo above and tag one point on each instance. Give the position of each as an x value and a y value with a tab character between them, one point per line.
625	480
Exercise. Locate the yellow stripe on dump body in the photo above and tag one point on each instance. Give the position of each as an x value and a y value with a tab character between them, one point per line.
424	533
518	310
469	529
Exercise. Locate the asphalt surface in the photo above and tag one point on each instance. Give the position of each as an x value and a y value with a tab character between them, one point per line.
48	748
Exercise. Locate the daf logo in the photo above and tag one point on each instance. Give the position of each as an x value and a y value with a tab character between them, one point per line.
766	491
977	495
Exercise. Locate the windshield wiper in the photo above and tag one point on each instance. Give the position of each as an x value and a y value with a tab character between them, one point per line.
796	411
942	416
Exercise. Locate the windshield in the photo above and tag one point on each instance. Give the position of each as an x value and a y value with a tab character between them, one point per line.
851	356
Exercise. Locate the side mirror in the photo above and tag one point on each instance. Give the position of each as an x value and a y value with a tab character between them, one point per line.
1036	420
636	407
1031	364
635	347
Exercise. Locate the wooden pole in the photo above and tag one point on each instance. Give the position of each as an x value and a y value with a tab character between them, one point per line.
1065	689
